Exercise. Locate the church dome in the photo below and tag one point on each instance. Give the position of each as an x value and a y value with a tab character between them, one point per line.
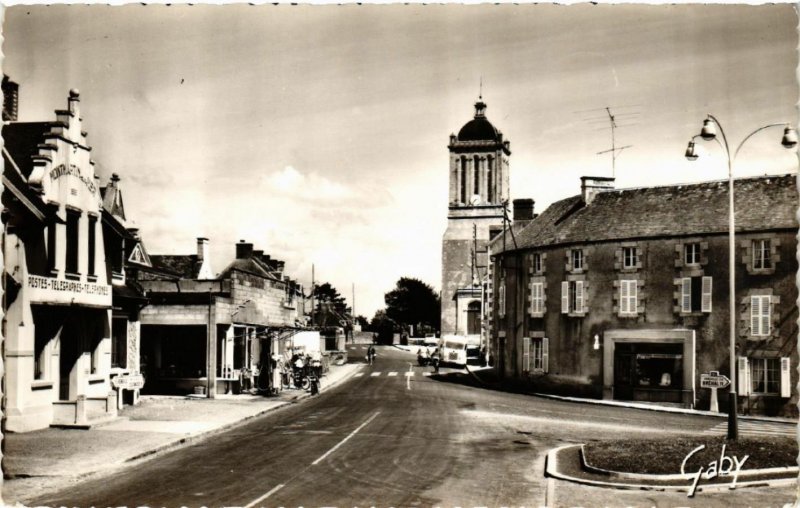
479	128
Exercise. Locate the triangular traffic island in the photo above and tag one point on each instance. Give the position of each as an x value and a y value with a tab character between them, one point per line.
689	464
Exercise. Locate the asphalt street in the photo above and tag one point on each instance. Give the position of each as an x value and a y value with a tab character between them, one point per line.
394	436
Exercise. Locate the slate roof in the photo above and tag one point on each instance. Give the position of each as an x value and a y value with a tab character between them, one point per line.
185	266
761	203
249	265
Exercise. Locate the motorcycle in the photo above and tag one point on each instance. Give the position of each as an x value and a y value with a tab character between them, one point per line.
423	360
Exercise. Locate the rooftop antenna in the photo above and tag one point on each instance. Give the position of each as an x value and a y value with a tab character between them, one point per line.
626	118
614	148
480	91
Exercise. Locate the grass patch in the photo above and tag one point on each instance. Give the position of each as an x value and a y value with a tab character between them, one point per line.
665	456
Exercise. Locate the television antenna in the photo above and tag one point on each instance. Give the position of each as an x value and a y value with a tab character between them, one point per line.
616	120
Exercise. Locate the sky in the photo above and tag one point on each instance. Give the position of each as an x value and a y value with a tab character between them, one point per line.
319	133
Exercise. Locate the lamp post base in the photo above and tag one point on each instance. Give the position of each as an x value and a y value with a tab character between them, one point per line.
733	424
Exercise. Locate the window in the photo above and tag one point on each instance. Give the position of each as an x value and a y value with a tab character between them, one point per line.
691	254
576	259
51	247
760	325
696	294
630	257
501	297
537	263
535	354
572	297
489	183
474	318
73	219
40	354
476	175
761	255
628	297
92	243
537	298
765	375
463	179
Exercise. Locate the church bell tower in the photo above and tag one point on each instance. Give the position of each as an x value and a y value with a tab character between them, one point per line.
478	190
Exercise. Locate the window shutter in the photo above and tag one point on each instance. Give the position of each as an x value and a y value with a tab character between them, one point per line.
755	323
632	296
786	378
564	297
623	297
578	296
706	300
743	376
686	294
526	354
545	354
766	315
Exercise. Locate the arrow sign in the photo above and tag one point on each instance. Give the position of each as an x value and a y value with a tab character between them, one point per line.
714	380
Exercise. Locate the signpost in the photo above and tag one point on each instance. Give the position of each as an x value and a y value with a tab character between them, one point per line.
128	381
714	380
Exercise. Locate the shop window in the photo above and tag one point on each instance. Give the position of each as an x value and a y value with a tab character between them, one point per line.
630	257
537	298
535	354
92	243
760	314
696	294
628	297
764	376
73	220
691	254
761	255
119	343
40	355
572	297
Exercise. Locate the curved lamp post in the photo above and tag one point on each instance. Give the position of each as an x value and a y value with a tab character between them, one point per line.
709	133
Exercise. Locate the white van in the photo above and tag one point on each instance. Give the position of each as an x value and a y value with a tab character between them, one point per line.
458	349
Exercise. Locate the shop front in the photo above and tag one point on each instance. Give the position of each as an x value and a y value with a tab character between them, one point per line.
649	366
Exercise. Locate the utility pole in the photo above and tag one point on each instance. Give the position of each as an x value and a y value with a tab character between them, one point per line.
313	290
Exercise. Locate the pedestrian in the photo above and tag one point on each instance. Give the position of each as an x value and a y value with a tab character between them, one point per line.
371	355
277	372
435	360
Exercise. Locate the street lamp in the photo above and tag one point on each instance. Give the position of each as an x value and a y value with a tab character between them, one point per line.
708	133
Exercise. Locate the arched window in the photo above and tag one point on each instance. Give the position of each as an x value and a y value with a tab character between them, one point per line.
489	187
463	179
474	318
477	175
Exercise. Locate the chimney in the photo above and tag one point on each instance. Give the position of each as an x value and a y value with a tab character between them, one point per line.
523	210
203	260
244	250
134	232
258	254
593	185
279	266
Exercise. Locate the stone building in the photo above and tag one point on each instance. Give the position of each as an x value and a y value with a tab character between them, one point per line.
623	294
58	302
209	333
478	191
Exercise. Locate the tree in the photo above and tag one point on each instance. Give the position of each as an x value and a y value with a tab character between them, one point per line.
325	293
412	302
363	321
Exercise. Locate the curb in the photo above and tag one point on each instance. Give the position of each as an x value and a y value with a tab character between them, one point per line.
551	470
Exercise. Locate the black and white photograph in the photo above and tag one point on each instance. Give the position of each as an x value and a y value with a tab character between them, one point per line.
400	255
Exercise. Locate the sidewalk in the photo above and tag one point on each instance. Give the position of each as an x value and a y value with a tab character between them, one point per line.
50	459
486	377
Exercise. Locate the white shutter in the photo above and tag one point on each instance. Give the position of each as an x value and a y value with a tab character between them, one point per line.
623	297
686	294
545	353
755	323
706	300
786	378
526	354
766	315
743	376
564	297
632	296
578	296
537	306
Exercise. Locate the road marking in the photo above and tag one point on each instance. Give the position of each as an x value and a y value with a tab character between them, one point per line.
359	374
426	374
375	374
392	374
275	489
343	441
409	374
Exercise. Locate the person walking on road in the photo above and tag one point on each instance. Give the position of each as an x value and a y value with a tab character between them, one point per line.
371	355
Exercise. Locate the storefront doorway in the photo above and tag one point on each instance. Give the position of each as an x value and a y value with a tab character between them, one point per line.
648	371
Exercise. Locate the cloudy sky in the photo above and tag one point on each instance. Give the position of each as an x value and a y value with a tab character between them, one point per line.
320	133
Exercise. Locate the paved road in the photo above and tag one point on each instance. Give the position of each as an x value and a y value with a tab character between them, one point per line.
390	437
